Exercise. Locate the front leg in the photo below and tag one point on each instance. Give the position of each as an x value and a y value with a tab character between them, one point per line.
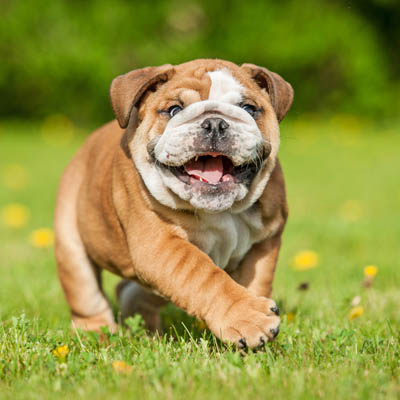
181	272
256	271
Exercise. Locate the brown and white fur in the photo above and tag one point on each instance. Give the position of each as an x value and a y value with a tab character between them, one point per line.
129	203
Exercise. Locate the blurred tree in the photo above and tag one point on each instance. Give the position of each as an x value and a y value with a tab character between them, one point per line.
60	56
384	16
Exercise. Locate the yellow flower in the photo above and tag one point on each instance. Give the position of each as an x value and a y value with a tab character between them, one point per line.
15	215
352	210
346	129
57	130
61	353
370	271
15	176
305	259
42	238
121	366
347	122
290	317
356	312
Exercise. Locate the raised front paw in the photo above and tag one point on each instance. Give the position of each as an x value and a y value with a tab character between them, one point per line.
248	322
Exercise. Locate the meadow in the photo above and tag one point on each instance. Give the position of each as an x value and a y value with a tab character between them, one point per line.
337	282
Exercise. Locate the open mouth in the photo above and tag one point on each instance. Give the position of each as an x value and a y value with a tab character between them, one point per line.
214	169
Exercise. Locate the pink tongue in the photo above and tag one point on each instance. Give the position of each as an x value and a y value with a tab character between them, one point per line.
210	170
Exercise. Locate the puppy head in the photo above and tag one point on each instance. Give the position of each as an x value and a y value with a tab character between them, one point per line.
204	135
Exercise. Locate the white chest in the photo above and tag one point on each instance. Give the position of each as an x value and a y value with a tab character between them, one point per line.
227	237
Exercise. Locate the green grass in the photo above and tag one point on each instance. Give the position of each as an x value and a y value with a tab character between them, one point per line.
343	187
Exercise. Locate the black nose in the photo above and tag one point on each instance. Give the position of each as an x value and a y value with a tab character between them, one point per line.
215	126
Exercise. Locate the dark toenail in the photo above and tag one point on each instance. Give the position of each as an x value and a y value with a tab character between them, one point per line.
275	310
262	342
275	331
242	343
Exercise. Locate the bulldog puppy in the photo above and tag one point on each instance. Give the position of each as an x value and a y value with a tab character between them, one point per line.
183	197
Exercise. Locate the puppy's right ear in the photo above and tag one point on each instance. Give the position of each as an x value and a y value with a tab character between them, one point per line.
127	90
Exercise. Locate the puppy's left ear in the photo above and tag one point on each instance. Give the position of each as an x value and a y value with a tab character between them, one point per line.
127	90
280	92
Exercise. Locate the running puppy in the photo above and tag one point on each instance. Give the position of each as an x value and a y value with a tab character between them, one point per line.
183	197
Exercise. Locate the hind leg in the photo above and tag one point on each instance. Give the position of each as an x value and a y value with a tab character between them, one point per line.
81	282
79	277
135	299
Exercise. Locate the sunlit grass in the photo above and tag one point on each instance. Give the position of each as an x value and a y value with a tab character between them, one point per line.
337	283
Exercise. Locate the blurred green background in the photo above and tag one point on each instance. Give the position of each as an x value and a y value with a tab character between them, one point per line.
60	56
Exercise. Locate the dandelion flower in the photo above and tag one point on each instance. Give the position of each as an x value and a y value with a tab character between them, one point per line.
61	353
356	312
57	129
305	259
121	366
290	317
42	238
370	271
15	215
352	210
15	176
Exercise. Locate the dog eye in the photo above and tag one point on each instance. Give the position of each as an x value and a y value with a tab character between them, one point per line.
173	110
249	108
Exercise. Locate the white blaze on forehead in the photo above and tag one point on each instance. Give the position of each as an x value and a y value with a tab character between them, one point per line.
225	88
